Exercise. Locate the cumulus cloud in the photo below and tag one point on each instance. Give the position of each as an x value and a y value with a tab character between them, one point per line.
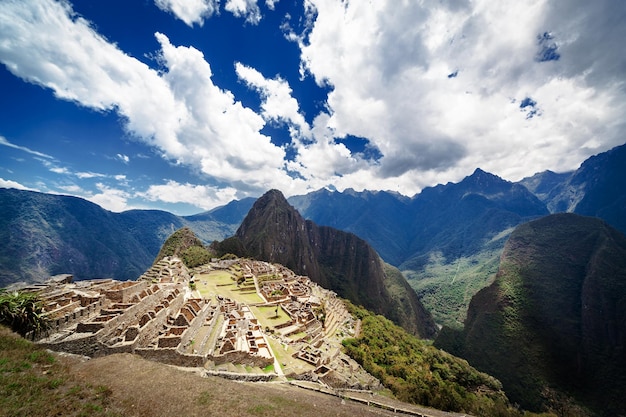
319	157
271	4
110	198
389	67
196	11
437	88
60	170
277	102
203	196
124	158
190	11
73	189
190	119
248	9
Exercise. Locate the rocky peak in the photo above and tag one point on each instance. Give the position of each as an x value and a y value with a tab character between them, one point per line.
274	231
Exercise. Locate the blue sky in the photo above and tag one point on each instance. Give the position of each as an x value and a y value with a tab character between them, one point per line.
186	105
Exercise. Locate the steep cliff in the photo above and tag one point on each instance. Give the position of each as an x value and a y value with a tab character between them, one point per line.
275	232
555	317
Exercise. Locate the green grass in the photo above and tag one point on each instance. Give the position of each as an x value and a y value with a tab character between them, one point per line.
224	283
33	382
267	316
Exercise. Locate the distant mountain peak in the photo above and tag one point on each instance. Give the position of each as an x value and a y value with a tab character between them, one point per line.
479	176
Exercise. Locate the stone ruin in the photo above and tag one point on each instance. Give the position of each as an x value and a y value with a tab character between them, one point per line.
161	317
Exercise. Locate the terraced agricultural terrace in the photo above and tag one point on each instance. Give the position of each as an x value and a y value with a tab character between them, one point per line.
238	318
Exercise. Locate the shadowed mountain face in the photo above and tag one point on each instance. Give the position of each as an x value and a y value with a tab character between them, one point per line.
447	240
555	316
274	231
45	234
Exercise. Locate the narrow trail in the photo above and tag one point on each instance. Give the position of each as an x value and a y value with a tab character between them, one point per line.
458	266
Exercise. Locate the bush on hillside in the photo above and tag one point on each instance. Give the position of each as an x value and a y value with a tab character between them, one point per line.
22	312
195	256
419	373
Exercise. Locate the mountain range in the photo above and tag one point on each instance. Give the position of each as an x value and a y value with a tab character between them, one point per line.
46	234
446	240
534	298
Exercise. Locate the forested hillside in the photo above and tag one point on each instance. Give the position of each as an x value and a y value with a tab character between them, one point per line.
554	320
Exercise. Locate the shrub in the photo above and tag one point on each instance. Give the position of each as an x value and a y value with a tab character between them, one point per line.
22	312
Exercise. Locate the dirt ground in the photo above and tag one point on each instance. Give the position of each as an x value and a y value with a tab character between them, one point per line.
137	387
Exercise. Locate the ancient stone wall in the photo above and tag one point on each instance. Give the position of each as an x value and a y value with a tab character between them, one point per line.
243	358
171	356
151	329
124	292
76	316
196	323
242	377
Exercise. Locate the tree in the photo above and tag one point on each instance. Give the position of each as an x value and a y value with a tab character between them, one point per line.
195	256
22	312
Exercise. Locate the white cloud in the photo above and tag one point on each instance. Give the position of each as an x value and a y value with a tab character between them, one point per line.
190	119
190	11
203	196
124	158
110	198
271	4
4	142
196	11
437	87
73	189
60	170
218	133
249	9
278	104
13	184
85	175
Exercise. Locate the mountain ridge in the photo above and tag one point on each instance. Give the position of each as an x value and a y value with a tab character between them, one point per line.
48	234
446	239
274	231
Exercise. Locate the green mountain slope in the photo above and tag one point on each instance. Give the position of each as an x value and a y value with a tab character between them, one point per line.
419	373
274	231
555	317
45	234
